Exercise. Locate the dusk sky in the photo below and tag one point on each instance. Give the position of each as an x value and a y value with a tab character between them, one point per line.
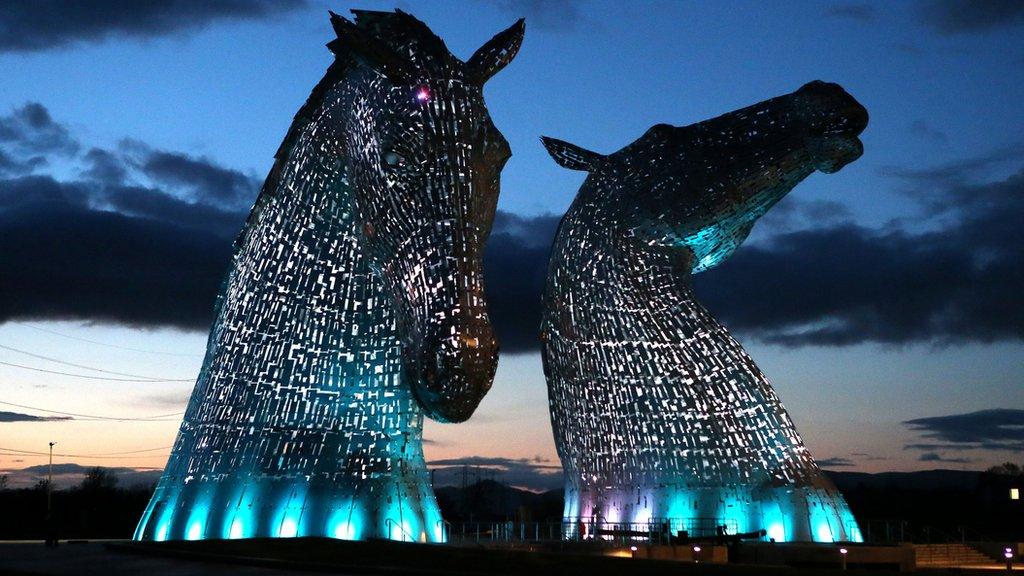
883	301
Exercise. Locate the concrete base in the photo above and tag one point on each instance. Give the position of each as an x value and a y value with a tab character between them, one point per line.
808	554
707	554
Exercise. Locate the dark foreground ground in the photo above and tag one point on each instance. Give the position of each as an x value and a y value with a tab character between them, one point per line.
95	559
272	557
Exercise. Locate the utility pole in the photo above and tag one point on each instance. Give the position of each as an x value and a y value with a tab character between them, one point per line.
49	483
51	526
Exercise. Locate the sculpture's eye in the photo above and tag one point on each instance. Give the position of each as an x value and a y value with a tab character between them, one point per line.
392	159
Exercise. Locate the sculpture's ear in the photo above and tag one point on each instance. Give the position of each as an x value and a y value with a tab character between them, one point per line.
490	58
571	156
352	40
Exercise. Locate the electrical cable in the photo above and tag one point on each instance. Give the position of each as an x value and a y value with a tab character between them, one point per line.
83	366
98	343
155	418
89	377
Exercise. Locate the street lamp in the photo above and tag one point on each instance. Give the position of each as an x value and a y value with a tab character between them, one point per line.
842	554
51	538
49	481
696	554
1008	554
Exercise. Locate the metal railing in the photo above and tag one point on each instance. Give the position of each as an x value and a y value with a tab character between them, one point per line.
659	531
390	524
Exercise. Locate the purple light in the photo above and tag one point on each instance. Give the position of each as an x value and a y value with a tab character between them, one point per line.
423	94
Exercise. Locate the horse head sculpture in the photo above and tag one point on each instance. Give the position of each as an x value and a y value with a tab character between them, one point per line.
424	160
660	417
354	305
702	187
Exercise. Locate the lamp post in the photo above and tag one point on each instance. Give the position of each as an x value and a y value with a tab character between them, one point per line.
49	482
1008	554
842	554
696	554
51	538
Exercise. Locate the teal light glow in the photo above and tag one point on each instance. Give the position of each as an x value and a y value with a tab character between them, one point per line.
199	514
347	521
288	528
237	529
774	519
399	531
291	513
823	532
344	531
732	512
777	531
852	529
642	516
239	524
163	530
141	527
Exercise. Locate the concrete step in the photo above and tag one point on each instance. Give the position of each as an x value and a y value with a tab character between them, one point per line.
948	555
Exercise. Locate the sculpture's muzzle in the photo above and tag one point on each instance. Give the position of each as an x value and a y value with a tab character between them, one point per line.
448	345
835	119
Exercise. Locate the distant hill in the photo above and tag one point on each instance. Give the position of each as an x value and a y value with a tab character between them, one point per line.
923	480
489	500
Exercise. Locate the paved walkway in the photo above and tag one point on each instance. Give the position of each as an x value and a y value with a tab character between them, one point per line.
88	559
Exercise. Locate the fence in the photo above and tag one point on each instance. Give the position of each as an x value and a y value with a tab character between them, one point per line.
659	531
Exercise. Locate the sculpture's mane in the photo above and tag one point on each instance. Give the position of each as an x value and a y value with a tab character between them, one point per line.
399	31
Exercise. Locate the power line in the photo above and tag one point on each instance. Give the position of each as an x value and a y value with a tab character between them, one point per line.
127	454
98	343
89	377
83	366
155	418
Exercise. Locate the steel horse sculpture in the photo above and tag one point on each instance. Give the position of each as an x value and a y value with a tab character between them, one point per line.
660	417
354	304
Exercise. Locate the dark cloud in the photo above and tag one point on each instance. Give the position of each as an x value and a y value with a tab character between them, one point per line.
955	172
554	15
867	457
935	457
923	130
197	178
19	417
859	12
537	473
845	284
31	130
68	261
798	215
995	429
970	16
144	240
515	269
837	462
104	166
46	24
12	166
